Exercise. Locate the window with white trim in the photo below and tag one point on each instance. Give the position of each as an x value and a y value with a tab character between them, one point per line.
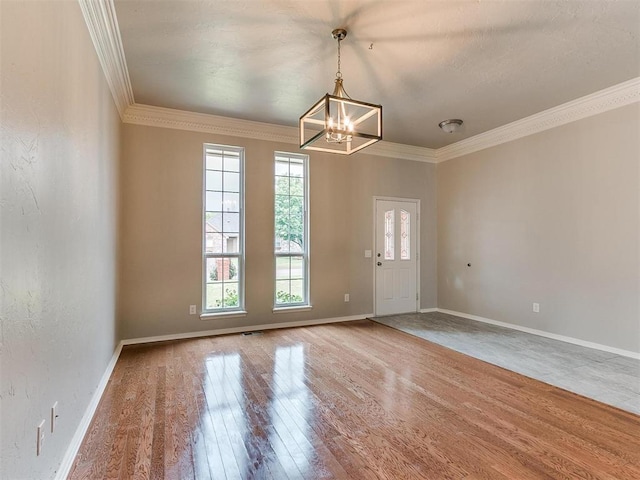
291	243
223	229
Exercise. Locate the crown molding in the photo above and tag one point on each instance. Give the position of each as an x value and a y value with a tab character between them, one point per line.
152	116
404	152
101	20
610	98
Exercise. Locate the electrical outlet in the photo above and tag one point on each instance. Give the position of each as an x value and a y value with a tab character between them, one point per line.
40	438
346	297
536	307
54	416
192	309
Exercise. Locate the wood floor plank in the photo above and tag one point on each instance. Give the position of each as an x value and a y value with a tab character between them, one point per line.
159	425
178	449
344	401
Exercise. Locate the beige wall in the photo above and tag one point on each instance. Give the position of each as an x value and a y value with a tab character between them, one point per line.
551	218
59	136
161	269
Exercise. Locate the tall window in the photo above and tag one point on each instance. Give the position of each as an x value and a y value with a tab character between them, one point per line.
291	230
223	228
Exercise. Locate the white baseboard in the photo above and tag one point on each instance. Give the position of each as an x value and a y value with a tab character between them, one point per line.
85	422
542	333
253	328
428	310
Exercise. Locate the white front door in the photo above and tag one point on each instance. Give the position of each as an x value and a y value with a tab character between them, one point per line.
396	257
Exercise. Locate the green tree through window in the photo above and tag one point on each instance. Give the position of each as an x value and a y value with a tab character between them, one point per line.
291	229
289	211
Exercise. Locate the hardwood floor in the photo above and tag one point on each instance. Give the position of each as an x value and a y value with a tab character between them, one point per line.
355	400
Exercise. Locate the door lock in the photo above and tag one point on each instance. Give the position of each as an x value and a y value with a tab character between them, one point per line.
379	264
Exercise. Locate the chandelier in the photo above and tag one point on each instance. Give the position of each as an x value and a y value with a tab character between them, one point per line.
337	123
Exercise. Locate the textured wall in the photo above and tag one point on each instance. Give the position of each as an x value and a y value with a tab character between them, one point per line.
161	267
60	137
552	218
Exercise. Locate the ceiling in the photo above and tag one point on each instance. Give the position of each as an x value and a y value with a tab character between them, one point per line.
486	62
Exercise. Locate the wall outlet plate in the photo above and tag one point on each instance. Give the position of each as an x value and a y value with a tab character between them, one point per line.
346	297
536	307
192	310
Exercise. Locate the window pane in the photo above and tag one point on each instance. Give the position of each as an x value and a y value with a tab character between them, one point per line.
214	295
282	207
231	202
282	291
214	180
214	201
389	251
296	186
231	163
231	242
232	267
282	268
297	268
230	222
211	271
282	185
296	224
297	291
296	241
230	298
282	225
405	235
231	182
213	243
282	168
213	222
296	206
214	162
297	169
222	269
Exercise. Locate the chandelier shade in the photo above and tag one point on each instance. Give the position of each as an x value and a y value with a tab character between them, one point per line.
339	124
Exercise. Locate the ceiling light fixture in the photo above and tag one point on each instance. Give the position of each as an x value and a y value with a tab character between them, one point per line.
451	126
337	123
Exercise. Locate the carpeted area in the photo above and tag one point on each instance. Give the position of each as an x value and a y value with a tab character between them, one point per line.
603	376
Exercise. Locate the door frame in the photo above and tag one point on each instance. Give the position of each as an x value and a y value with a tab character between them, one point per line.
373	256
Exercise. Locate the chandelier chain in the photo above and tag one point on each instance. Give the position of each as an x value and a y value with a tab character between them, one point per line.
339	73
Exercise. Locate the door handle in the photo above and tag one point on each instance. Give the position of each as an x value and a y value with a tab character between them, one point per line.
379	264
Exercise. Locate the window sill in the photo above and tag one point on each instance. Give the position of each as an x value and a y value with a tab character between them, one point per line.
297	308
217	315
